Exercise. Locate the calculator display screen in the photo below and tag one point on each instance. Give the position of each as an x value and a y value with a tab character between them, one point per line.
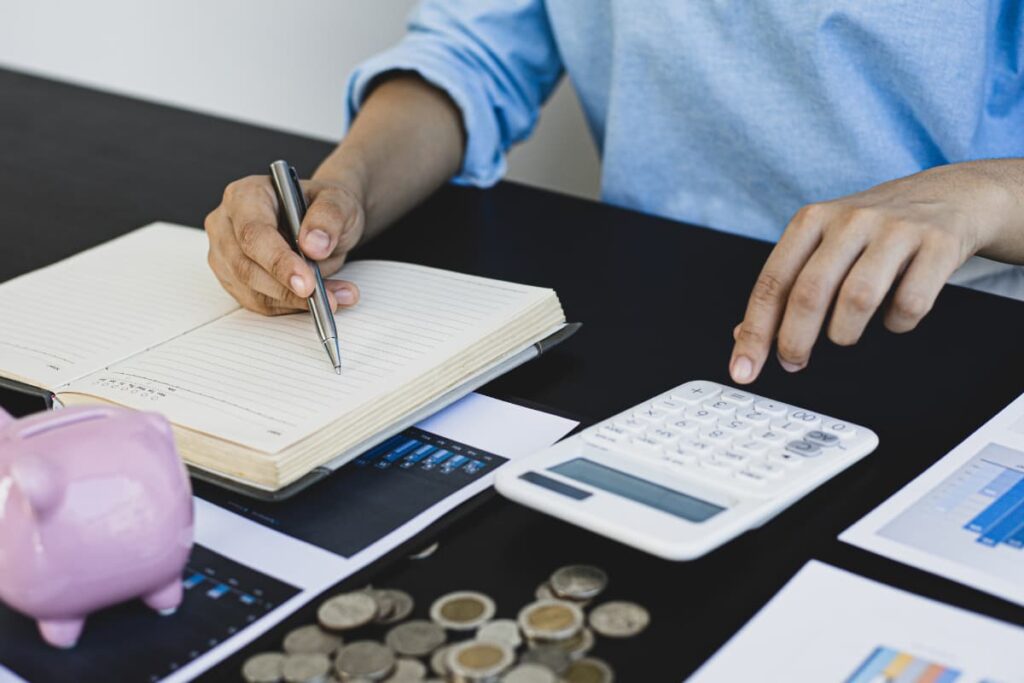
637	489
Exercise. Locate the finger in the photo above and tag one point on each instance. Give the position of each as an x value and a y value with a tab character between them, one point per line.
929	270
333	223
867	283
812	293
346	293
767	300
261	242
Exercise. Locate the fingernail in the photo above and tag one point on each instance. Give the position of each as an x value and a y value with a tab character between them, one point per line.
789	367
297	284
345	296
318	242
742	369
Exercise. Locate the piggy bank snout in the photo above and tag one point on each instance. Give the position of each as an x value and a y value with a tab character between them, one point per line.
38	481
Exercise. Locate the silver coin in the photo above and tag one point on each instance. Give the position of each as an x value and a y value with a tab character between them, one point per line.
306	668
578	582
548	656
439	661
589	670
550	620
426	552
415	638
501	631
478	660
544	592
577	646
364	659
530	673
393	605
347	611
619	619
462	610
263	668
311	640
407	671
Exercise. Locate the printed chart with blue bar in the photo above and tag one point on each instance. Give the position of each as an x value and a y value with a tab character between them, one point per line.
888	665
974	517
371	496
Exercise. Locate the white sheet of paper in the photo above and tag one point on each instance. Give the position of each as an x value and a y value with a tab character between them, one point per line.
963	518
828	625
480	421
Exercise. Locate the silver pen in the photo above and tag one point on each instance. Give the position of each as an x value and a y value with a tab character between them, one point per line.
293	208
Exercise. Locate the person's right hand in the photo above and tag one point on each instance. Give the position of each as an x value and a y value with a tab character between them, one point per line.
258	267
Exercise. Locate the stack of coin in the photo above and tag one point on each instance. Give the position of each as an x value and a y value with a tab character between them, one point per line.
548	642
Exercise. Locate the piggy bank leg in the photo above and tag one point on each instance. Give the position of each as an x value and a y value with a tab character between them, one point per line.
166	599
62	633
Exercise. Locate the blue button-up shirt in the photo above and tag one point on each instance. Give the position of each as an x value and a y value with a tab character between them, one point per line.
729	113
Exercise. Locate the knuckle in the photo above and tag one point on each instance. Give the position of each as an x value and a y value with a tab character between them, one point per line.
808	294
242	269
791	352
911	305
249	236
280	263
750	334
859	295
768	289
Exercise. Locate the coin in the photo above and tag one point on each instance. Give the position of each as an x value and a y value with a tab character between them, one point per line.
501	631
306	668
415	638
347	611
530	673
544	592
589	670
393	605
462	611
619	619
311	640
407	671
439	661
364	659
577	646
263	668
550	620
426	552
578	582
548	656
478	660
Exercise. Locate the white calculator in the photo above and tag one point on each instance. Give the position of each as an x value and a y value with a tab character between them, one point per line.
681	474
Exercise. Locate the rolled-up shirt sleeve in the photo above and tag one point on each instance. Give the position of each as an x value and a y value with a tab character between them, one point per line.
496	59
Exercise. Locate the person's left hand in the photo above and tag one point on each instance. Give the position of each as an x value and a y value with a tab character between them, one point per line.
908	235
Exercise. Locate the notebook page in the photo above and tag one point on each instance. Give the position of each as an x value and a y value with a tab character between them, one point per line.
97	307
266	382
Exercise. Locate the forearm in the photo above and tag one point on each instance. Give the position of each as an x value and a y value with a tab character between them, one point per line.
1000	183
405	143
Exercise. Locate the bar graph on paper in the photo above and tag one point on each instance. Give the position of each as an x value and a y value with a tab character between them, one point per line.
974	517
886	664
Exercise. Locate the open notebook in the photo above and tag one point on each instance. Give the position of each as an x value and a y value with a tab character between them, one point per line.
140	321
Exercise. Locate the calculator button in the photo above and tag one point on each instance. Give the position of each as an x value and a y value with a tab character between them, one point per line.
821	438
664	436
768	470
697	447
613	431
769	437
804	448
669	406
600	439
678	457
632	425
693	393
650	415
735	428
645	444
756	417
808	419
841	429
773	408
786	459
717	437
684	427
789	428
751	448
720	408
732	459
740	398
751	478
701	416
717	467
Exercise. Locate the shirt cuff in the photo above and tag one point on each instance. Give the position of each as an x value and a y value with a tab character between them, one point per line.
484	162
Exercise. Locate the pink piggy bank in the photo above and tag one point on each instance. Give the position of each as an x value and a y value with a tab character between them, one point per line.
95	509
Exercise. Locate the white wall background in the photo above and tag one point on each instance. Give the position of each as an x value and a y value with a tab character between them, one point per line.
214	56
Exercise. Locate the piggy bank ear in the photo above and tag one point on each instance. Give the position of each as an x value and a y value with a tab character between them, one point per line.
38	482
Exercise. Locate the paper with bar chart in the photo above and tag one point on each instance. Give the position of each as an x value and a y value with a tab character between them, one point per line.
963	518
829	625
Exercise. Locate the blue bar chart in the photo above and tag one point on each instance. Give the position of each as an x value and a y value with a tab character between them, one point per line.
886	664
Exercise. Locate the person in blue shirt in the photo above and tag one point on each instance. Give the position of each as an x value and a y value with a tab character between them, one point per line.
874	140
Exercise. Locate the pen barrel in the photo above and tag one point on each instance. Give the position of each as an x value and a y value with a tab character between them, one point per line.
293	204
320	307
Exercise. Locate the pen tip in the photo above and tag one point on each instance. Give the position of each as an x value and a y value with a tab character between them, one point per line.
337	370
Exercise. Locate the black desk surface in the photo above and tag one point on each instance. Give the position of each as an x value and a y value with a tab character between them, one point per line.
658	301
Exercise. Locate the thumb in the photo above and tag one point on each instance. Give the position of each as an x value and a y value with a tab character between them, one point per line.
333	222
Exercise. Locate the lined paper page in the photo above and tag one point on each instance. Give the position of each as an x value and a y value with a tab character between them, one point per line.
266	382
85	312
